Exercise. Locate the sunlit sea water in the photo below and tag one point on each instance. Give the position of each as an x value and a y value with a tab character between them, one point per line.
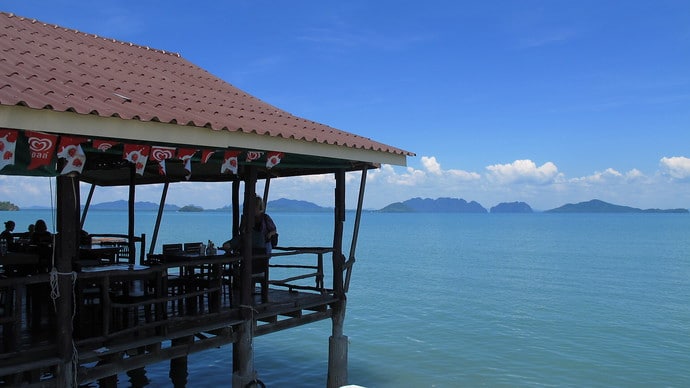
447	300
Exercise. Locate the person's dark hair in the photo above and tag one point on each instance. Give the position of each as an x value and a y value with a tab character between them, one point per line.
41	226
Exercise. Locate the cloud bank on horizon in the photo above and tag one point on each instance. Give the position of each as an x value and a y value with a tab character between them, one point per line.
541	186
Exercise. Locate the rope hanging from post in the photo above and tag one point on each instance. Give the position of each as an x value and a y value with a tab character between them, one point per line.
54	295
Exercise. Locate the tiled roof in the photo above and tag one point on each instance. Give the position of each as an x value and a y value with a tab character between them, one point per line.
46	66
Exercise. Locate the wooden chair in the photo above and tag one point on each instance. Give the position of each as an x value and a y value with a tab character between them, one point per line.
194	248
171	249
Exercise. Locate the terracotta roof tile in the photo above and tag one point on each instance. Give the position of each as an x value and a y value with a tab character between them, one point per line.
50	67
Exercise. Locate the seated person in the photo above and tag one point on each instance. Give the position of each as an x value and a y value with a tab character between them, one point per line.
41	234
264	236
7	234
44	240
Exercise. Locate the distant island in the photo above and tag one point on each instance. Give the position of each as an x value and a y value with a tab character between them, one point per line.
123	205
512	207
414	205
457	205
291	205
598	206
191	208
288	205
8	206
440	205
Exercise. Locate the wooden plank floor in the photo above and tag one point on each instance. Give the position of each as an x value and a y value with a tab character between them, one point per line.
172	338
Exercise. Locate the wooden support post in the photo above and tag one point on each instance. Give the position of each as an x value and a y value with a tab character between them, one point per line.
86	206
243	352
159	217
130	224
267	186
178	366
337	348
355	232
66	250
338	257
337	344
247	287
235	208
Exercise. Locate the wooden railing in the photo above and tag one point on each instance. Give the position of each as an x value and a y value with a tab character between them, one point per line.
122	240
119	305
279	258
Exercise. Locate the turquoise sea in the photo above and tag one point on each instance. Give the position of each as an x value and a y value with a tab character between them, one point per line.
467	300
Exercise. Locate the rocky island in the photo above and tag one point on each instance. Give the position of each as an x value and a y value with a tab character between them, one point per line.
598	206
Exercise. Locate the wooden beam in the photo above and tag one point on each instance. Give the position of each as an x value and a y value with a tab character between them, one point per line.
66	252
338	343
86	206
235	208
339	213
159	217
243	352
130	213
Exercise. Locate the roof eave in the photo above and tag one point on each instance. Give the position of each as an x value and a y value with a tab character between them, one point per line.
47	120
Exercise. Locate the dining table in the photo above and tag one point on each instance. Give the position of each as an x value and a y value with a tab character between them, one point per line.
118	291
103	253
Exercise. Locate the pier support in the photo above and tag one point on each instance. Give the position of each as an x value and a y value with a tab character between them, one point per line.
243	362
337	349
243	372
178	366
66	252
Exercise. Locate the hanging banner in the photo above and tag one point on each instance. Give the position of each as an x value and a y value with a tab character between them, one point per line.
70	150
206	156
159	154
253	155
8	145
104	145
229	162
273	159
137	154
185	154
41	148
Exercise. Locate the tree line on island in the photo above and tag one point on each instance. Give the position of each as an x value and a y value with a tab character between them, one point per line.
414	205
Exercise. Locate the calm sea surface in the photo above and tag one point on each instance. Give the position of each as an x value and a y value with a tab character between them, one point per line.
439	300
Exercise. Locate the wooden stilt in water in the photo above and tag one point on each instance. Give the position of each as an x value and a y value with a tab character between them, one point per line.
110	381
243	362
337	349
137	377
243	352
65	252
178	366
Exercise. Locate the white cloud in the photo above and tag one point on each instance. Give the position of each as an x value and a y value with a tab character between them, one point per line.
634	175
523	171
677	167
612	176
542	186
599	177
432	165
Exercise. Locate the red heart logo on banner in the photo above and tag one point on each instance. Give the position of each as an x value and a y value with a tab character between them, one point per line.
40	145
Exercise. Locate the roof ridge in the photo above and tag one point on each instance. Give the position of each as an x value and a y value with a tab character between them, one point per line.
131	44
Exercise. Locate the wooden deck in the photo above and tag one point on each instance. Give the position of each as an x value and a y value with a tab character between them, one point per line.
171	317
192	334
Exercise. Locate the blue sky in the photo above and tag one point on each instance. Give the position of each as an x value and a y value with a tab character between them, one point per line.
547	102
